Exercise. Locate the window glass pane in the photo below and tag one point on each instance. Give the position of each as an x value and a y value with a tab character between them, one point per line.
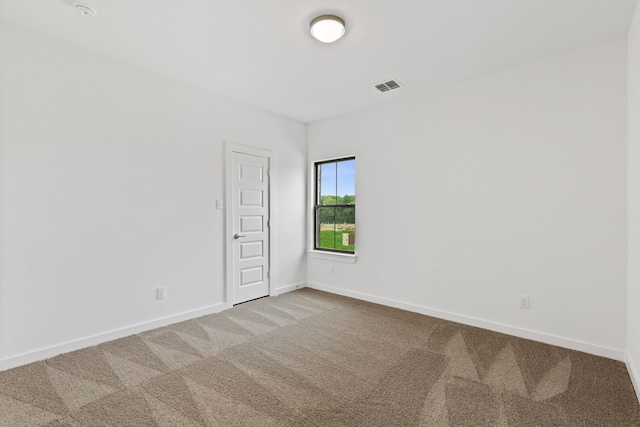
327	176
346	185
336	228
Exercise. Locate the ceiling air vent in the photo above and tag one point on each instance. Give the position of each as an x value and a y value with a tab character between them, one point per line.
388	85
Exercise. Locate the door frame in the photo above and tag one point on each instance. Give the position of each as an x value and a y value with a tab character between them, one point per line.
230	148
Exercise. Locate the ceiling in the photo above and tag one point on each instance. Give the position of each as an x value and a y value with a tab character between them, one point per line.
260	51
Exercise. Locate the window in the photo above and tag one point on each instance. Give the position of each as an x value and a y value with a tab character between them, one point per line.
335	205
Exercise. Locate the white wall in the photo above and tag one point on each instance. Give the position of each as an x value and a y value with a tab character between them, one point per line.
510	184
108	181
633	191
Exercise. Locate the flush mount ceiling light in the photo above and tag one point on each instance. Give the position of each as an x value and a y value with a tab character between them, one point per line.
85	10
327	28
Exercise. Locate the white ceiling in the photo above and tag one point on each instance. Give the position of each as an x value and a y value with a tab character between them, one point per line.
261	52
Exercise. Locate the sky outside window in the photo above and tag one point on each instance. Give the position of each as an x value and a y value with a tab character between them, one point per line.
338	178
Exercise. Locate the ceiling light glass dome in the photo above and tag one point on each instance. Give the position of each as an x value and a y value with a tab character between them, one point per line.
327	28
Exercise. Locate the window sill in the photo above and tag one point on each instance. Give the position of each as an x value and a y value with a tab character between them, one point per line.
332	256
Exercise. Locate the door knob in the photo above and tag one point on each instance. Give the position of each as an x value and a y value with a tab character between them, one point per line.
237	236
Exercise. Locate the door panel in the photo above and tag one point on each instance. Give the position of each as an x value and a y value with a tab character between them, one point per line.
250	198
250	224
251	276
250	215
251	250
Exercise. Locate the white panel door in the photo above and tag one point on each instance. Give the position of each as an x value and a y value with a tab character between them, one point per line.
250	226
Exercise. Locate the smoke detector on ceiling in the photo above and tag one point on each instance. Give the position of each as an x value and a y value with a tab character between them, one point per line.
85	10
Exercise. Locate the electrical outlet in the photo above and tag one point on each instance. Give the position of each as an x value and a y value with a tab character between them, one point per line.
161	293
332	270
524	302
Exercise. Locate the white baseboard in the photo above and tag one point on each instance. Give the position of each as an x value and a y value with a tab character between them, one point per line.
56	350
53	351
607	352
285	289
633	373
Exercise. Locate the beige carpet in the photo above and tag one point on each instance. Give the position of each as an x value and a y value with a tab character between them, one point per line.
309	358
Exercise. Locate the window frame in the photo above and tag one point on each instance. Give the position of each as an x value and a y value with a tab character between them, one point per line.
317	206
